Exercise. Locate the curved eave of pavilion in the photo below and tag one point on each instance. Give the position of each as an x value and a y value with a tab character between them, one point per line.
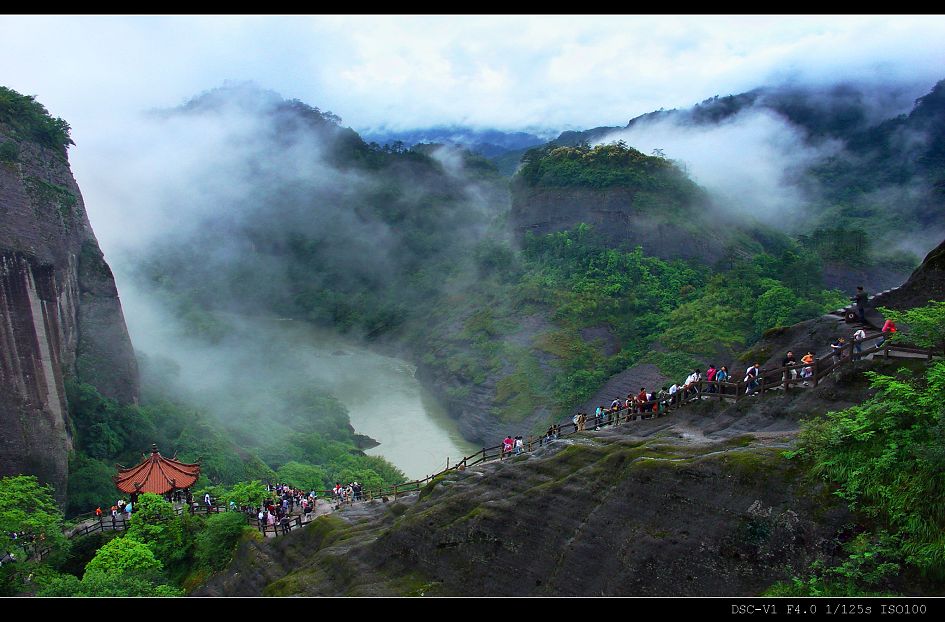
157	474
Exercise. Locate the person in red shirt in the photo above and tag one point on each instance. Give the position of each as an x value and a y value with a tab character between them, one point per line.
889	327
641	399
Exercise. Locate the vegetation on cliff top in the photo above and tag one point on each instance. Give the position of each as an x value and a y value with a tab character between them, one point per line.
603	166
31	121
580	284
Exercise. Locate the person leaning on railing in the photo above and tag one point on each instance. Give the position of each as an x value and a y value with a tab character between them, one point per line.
721	376
808	371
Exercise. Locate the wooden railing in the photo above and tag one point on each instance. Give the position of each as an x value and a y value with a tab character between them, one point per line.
779	378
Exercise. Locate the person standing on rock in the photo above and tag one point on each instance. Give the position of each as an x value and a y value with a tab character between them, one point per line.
860	299
790	373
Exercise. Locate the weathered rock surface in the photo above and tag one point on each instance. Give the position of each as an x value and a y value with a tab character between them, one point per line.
699	502
59	312
609	516
926	283
616	219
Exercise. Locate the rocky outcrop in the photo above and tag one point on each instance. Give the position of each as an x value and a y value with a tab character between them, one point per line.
926	283
59	311
618	217
606	516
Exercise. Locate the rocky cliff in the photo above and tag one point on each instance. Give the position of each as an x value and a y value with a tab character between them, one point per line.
619	218
926	283
59	310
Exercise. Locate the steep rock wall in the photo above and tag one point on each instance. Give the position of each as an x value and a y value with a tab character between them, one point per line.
617	219
60	315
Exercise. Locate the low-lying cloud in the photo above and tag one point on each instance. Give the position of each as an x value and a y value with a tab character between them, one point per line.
749	162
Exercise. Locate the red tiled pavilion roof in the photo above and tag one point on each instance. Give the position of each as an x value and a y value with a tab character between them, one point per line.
157	474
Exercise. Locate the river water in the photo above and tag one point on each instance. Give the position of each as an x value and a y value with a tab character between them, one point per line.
245	370
385	401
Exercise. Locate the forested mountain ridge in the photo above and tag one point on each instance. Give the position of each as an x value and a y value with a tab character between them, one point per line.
292	216
874	184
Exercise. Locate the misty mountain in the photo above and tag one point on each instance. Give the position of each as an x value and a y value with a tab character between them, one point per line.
317	222
488	142
854	166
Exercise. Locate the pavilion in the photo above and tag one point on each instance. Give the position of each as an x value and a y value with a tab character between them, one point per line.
157	474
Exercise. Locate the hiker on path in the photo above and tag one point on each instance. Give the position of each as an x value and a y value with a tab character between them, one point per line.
860	299
791	372
889	327
710	375
858	337
751	377
837	347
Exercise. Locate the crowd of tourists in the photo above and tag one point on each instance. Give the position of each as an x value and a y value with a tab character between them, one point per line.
284	502
714	381
342	495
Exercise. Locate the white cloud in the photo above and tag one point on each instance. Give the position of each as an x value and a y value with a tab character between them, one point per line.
746	162
506	72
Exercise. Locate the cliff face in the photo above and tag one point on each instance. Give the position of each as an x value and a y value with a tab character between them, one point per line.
926	283
59	310
617	218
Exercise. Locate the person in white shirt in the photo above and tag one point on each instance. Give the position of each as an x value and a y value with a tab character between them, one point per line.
858	338
690	386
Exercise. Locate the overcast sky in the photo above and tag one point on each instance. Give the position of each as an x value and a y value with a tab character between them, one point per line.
522	72
554	72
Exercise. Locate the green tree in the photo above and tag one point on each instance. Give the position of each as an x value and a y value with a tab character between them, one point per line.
304	476
155	523
246	493
125	555
775	307
123	567
886	457
923	326
218	540
28	508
